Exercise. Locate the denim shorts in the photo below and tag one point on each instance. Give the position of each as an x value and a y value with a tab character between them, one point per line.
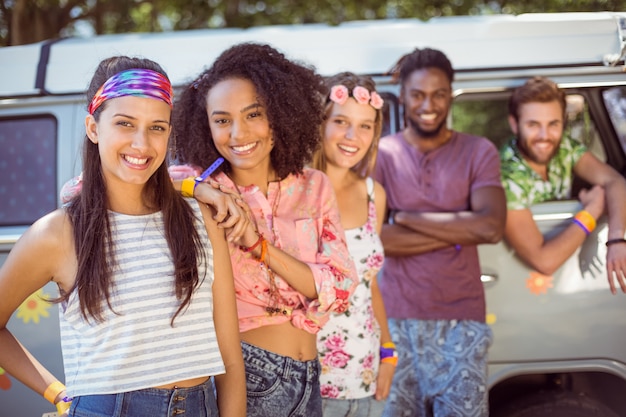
198	401
279	386
360	407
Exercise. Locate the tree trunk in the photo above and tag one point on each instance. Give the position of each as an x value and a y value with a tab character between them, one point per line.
31	22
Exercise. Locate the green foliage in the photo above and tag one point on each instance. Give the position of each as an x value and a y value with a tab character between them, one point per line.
23	21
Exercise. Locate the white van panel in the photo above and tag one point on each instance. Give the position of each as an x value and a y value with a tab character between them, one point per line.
366	47
18	70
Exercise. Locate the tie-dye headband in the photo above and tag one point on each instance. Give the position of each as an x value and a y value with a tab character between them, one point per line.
133	82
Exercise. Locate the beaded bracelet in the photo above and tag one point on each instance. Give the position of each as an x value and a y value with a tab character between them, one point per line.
254	246
263	252
585	221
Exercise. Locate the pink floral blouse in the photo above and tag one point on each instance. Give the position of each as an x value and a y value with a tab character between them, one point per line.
300	216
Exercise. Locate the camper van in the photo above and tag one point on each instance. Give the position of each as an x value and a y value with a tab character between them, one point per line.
559	342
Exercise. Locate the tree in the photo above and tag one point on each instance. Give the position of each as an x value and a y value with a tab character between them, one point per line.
27	21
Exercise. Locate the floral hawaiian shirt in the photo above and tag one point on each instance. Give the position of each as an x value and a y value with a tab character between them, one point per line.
524	187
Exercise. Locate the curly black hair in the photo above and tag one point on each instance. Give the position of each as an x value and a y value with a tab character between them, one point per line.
291	92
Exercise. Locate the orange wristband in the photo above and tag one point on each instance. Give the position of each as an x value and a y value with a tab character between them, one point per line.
393	360
585	221
388	353
53	390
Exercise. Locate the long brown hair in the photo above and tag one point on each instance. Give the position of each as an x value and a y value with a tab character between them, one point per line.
88	214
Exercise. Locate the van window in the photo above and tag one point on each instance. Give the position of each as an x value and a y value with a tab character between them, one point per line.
615	103
482	115
27	169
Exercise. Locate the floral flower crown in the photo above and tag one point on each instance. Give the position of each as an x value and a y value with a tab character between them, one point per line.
339	94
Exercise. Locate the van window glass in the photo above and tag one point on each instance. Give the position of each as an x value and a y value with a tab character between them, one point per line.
486	115
580	125
615	102
27	169
482	115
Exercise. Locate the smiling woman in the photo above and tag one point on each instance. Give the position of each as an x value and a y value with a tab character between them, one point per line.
132	136
357	354
261	113
128	254
240	128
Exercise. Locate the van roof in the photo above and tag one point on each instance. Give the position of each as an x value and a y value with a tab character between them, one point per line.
473	43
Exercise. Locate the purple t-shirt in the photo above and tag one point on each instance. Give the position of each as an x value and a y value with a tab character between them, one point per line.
443	284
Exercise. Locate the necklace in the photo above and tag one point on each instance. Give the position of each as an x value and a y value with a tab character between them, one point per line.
274	306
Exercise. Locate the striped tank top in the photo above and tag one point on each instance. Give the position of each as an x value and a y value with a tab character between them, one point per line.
136	347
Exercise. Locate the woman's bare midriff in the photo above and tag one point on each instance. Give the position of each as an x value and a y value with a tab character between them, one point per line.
283	339
187	383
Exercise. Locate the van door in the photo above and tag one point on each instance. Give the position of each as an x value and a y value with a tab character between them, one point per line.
39	140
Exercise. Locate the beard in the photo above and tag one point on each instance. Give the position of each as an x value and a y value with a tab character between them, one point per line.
425	134
527	152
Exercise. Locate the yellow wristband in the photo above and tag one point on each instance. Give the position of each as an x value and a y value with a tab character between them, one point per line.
389	345
53	391
62	407
188	187
586	219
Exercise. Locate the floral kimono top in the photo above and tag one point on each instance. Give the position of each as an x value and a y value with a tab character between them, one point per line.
299	216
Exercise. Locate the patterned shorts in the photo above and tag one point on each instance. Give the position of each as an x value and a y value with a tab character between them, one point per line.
442	369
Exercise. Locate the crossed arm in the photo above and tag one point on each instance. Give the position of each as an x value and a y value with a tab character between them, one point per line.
414	233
